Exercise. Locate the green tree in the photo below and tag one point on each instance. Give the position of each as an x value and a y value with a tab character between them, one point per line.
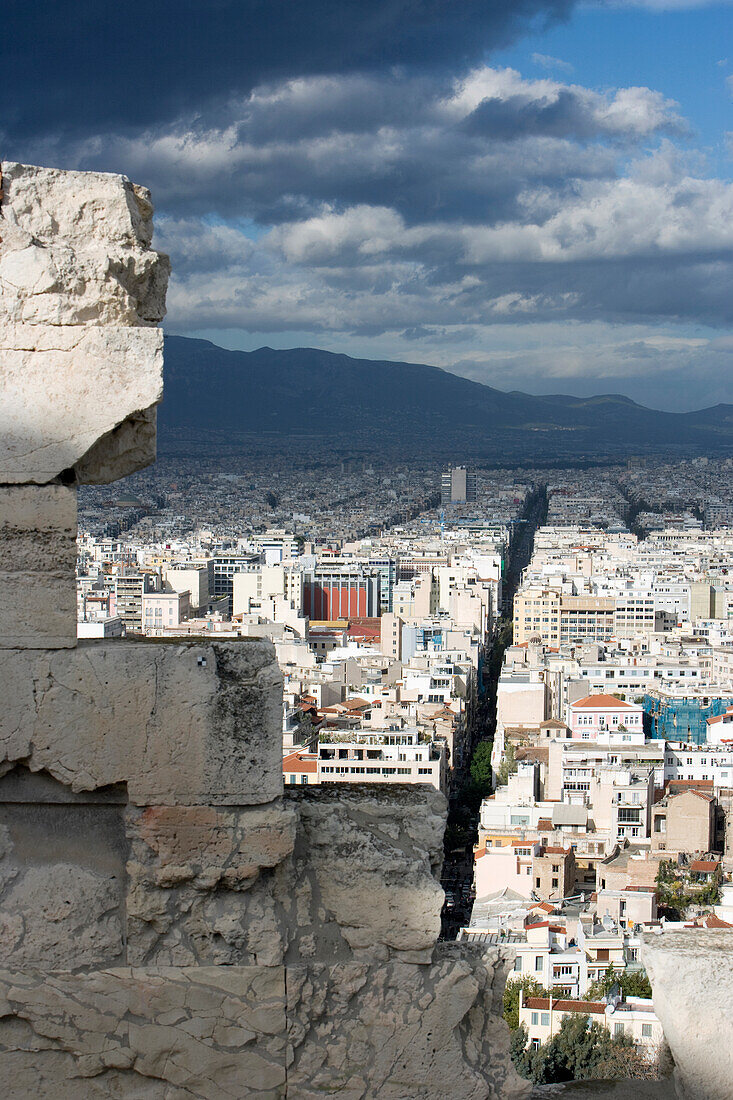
481	767
518	1050
530	988
633	983
508	765
579	1051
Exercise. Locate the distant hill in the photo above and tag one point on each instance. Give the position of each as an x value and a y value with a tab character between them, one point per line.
218	399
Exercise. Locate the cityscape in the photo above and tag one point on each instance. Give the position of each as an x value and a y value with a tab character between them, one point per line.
366	550
551	650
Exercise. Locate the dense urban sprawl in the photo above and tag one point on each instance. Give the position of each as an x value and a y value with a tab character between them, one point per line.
552	649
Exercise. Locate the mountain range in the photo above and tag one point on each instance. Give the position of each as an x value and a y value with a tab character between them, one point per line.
222	400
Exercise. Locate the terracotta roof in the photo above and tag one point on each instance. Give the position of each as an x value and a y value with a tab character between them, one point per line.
555	851
594	1007
600	702
355	704
719	717
709	921
300	762
544	825
545	924
704	865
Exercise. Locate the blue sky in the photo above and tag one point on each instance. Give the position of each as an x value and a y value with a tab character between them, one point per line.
536	195
682	53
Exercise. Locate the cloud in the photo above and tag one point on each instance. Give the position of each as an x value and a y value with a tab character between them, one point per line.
82	65
546	61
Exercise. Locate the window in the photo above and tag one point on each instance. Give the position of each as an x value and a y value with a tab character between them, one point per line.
518	964
554	882
646	1031
545	1019
618	1029
535	1019
538	963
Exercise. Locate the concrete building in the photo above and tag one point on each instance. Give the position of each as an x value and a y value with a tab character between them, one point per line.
381	756
684	822
458	485
196	579
129	591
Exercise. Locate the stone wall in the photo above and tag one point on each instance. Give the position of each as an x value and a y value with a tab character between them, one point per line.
172	924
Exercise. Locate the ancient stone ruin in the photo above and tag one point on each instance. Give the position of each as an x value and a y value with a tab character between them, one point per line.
172	924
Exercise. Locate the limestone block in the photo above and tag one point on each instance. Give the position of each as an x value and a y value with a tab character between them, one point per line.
37	559
64	387
184	724
166	1033
692	979
397	1030
199	891
76	249
80	292
362	882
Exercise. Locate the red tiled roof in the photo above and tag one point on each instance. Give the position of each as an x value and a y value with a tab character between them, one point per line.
599	702
709	921
544	825
706	865
300	762
595	1007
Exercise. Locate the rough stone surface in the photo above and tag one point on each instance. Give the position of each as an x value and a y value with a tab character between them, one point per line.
213	1033
179	724
363	871
200	888
37	586
65	388
80	293
692	978
397	1030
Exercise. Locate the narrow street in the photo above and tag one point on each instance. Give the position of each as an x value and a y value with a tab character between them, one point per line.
461	832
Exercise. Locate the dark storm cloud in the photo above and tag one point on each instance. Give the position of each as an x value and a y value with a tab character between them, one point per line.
411	142
79	66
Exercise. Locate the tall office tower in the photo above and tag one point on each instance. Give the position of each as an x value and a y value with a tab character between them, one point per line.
458	485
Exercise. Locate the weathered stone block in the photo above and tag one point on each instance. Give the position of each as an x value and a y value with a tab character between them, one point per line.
80	292
692	978
181	724
66	387
37	559
397	1030
196	888
362	881
207	1032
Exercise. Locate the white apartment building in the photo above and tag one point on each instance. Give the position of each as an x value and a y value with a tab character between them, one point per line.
381	756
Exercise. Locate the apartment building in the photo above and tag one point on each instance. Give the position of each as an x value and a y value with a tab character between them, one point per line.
633	1017
381	756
